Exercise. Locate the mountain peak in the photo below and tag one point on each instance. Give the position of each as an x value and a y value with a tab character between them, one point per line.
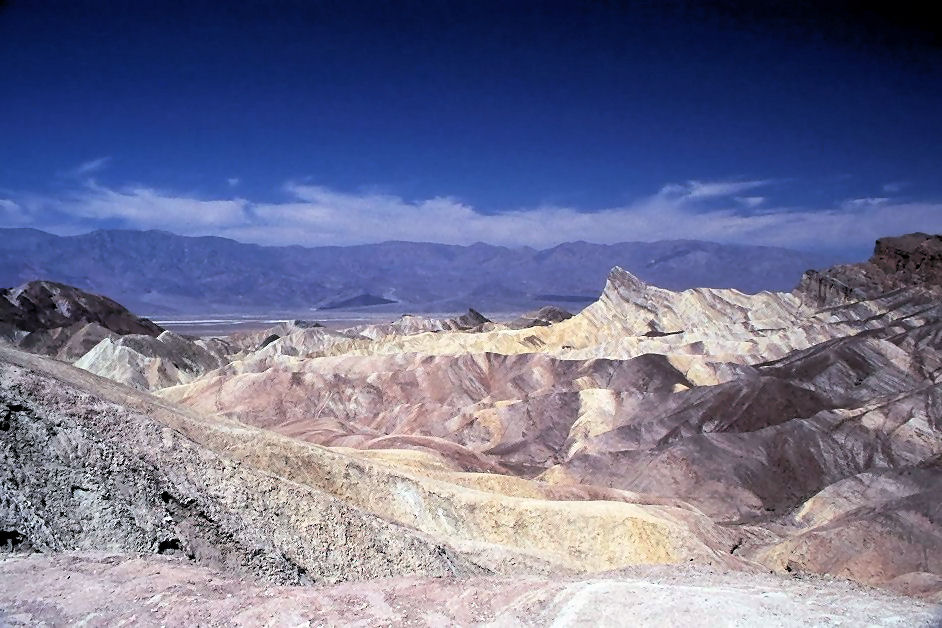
620	279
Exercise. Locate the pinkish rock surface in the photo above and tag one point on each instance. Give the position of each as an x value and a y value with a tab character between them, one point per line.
109	590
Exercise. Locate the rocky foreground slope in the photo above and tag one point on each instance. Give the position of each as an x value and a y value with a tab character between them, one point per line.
741	433
86	464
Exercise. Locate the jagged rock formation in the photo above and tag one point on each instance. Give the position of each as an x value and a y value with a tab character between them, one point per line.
103	337
469	321
298	341
409	324
911	263
62	321
701	330
246	342
542	317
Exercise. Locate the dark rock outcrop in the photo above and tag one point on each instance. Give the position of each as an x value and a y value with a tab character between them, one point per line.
62	321
409	324
915	258
469	321
40	305
540	318
908	262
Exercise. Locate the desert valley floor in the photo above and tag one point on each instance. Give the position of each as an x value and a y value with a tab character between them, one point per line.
699	457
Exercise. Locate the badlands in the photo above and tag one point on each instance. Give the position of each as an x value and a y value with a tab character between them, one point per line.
703	457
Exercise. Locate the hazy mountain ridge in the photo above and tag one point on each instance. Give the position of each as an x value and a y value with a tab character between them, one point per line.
158	272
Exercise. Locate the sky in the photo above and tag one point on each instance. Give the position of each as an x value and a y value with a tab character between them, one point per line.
810	125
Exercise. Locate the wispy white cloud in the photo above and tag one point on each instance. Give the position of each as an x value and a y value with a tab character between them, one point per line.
145	208
860	203
695	190
894	186
750	201
89	167
233	181
12	213
318	215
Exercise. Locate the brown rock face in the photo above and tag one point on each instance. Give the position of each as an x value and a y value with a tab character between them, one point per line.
910	262
914	258
67	343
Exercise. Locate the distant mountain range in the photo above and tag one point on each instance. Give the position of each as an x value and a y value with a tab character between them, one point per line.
160	273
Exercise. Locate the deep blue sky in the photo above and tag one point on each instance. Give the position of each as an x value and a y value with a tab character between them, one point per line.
501	107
